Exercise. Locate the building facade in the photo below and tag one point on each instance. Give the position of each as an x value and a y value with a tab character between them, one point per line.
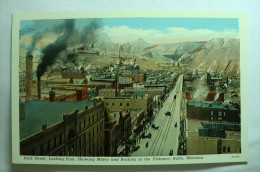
212	111
117	131
79	133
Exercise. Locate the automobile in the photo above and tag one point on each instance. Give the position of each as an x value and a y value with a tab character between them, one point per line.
135	148
146	136
155	127
168	113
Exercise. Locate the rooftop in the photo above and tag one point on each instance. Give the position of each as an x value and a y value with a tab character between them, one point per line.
39	112
214	105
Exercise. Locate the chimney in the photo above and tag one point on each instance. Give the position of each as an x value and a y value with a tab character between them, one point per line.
52	96
28	78
39	87
44	127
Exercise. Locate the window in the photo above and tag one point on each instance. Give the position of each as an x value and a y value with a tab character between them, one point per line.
41	149
84	123
54	141
49	145
113	104
127	104
33	152
84	139
224	149
79	141
228	149
211	113
107	104
120	104
60	140
89	135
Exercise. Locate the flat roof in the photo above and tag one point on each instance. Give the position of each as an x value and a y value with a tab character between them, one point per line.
214	105
39	112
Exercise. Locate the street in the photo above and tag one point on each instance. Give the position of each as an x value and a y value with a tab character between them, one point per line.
165	138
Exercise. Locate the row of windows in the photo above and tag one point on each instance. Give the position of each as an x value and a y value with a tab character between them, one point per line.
224	149
43	147
83	125
121	104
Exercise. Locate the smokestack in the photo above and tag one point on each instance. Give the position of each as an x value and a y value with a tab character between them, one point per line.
28	79
39	87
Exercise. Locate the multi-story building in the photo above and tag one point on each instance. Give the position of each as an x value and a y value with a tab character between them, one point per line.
123	85
107	92
117	130
62	128
139	77
77	74
124	79
127	74
216	138
136	101
212	111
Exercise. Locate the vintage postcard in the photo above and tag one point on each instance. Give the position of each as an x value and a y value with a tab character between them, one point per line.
129	87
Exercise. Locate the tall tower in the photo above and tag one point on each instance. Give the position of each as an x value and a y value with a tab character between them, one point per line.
28	78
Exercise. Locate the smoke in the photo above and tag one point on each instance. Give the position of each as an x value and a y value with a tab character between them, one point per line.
37	37
51	51
88	67
88	33
216	96
209	70
221	72
200	65
201	90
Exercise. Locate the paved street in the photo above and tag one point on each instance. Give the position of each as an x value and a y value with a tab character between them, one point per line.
166	137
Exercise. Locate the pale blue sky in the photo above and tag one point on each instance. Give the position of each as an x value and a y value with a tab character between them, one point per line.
156	30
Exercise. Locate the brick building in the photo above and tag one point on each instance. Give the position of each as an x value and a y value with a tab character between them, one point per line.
192	142
123	85
117	131
212	111
139	77
80	94
136	101
107	93
75	74
64	128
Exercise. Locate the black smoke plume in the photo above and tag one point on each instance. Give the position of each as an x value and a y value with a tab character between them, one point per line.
51	51
88	34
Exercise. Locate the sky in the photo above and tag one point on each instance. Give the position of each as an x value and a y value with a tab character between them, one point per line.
160	30
168	30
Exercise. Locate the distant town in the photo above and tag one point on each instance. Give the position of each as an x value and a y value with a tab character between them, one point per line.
126	106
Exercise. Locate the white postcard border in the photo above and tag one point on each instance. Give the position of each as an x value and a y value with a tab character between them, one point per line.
180	159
